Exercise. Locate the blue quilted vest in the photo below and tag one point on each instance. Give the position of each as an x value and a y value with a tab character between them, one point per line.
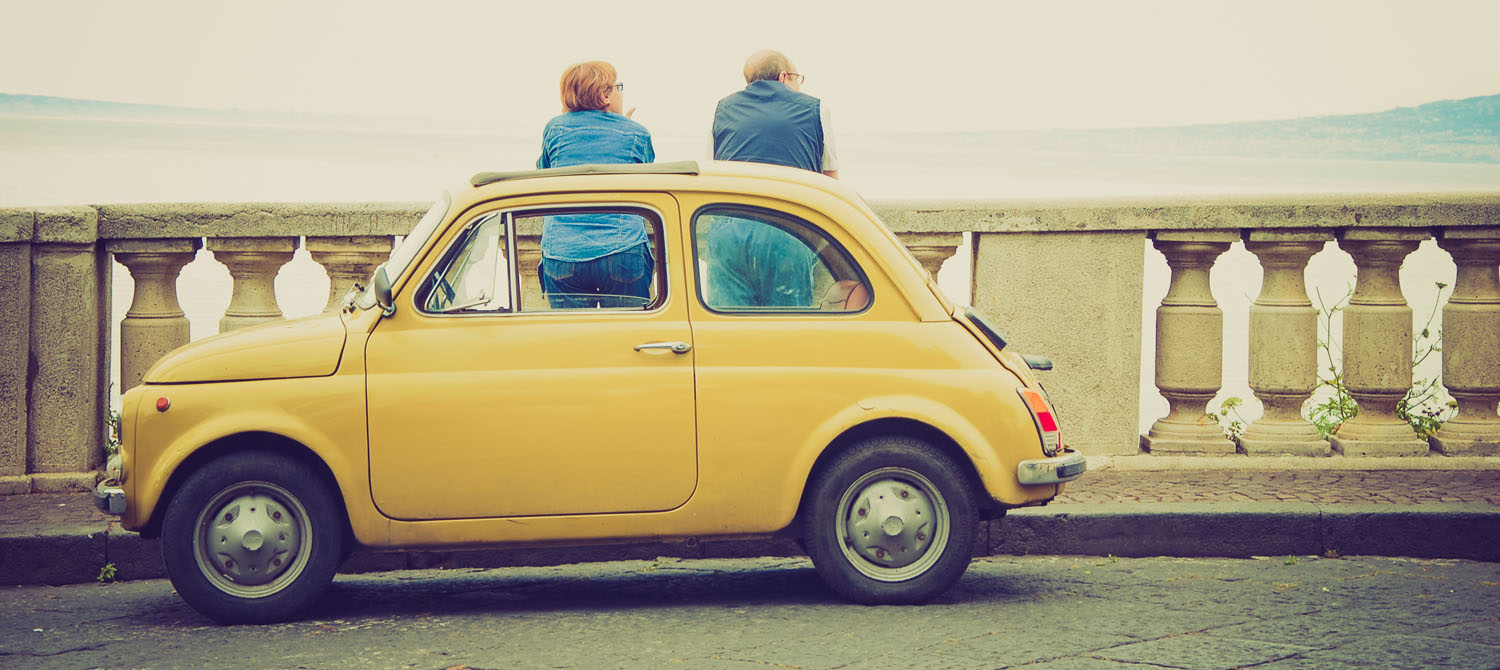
769	123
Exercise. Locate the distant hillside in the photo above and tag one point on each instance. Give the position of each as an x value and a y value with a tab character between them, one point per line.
1458	131
1450	130
55	107
51	106
1466	131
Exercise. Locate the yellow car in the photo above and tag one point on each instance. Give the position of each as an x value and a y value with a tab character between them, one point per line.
793	371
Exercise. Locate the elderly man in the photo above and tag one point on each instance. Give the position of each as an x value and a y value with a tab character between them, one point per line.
756	264
772	121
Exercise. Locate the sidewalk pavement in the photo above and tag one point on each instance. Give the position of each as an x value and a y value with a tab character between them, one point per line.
59	538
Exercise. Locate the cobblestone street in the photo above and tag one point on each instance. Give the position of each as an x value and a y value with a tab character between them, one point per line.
1045	612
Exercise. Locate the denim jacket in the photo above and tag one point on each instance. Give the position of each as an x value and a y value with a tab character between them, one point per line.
576	138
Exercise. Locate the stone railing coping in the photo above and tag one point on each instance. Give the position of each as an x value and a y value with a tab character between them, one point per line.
62	225
83	224
1195	213
172	220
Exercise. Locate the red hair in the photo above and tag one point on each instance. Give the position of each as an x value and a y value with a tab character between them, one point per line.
584	85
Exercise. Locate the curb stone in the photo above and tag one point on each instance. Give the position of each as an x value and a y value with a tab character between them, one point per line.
74	553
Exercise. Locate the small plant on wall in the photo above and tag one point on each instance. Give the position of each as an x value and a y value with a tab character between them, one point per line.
1423	406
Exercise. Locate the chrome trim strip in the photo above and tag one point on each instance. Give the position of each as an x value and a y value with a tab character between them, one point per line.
1046	470
513	277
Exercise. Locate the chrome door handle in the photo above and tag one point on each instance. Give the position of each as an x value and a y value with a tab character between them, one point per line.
675	347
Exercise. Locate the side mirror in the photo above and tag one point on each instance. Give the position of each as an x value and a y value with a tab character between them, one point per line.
381	283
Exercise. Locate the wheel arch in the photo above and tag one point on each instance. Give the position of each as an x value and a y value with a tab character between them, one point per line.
903	427
246	441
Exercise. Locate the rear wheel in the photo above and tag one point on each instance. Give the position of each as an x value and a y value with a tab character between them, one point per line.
891	521
252	537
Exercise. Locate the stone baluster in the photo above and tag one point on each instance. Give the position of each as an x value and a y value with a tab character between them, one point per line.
348	261
1189	347
253	263
932	249
155	324
1377	345
1283	345
1471	343
529	256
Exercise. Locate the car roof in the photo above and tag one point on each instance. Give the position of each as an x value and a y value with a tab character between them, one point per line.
678	167
730	176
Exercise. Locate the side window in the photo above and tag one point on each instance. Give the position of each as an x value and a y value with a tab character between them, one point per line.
570	274
496	265
474	276
753	260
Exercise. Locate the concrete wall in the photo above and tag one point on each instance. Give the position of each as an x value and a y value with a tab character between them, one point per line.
16	230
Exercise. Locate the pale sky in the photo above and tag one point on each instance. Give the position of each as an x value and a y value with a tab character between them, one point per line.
880	66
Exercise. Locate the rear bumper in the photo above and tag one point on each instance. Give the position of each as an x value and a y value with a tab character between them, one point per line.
1066	467
109	498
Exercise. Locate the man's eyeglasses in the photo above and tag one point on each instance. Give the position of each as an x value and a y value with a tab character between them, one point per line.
619	86
794	75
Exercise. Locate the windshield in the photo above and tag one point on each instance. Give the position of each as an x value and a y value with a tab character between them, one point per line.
403	254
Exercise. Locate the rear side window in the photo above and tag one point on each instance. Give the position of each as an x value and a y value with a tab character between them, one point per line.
757	261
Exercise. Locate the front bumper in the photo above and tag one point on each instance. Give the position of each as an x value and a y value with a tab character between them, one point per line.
109	497
1064	467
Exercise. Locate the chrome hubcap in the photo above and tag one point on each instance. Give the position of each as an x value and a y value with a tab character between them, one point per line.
893	524
252	539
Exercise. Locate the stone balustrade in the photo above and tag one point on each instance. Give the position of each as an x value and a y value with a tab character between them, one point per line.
1063	279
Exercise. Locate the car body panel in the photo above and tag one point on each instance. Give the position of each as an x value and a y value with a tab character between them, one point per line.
312	412
305	347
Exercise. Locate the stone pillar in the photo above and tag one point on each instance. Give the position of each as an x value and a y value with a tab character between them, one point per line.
1075	298
347	260
1471	343
1377	345
16	232
253	262
69	342
1283	345
528	256
155	324
1189	347
932	249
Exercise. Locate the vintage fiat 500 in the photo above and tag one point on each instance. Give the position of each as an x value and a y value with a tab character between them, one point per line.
793	372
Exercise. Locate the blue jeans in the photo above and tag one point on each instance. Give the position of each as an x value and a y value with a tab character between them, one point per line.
620	279
755	264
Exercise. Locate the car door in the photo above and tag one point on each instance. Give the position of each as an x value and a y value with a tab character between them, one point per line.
485	401
793	320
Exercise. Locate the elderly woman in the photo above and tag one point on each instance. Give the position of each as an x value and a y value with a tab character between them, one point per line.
594	259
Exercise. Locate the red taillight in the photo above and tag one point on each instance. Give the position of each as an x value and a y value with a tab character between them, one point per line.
1046	420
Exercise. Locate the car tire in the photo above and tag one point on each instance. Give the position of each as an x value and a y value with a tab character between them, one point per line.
890	521
252	537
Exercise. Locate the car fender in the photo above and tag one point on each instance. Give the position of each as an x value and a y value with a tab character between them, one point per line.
996	478
346	464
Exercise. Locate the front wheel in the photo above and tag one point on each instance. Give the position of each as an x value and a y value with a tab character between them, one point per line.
890	522
252	537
